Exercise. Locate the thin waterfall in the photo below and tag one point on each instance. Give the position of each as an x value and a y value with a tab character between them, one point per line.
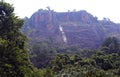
63	34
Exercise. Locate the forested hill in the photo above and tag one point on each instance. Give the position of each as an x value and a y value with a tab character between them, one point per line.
78	28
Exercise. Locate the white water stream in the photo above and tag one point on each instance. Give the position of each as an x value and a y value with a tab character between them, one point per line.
63	34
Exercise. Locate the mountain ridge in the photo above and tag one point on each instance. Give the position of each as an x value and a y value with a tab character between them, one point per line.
77	28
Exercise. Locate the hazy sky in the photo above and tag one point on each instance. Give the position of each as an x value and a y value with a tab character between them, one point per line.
100	8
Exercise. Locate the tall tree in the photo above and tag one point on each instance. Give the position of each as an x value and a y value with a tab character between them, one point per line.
14	58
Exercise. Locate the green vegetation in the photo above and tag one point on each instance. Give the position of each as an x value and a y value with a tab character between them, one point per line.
76	62
52	61
14	57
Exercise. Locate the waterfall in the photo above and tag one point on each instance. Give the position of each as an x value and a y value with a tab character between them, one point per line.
63	34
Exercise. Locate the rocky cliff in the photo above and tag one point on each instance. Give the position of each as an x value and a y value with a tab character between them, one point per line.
78	28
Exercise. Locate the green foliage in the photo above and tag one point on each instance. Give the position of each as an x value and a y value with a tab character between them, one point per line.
111	45
54	61
98	65
46	72
14	57
41	54
76	62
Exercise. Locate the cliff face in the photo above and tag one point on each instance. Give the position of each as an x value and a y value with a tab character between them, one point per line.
69	28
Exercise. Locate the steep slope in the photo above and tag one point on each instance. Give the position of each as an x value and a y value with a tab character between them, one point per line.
69	28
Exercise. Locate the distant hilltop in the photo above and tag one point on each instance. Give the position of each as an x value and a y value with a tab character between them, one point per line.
76	28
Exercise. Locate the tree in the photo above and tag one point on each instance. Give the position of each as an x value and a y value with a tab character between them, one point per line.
111	45
14	57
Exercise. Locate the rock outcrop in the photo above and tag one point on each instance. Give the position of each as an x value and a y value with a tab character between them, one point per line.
70	28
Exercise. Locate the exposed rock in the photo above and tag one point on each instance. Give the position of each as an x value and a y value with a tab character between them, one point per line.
78	28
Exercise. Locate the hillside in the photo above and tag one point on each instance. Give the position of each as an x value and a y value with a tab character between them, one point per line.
77	28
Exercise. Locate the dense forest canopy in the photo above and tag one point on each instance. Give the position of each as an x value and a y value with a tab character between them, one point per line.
76	62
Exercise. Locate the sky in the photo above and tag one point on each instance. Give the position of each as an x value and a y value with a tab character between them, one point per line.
99	8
